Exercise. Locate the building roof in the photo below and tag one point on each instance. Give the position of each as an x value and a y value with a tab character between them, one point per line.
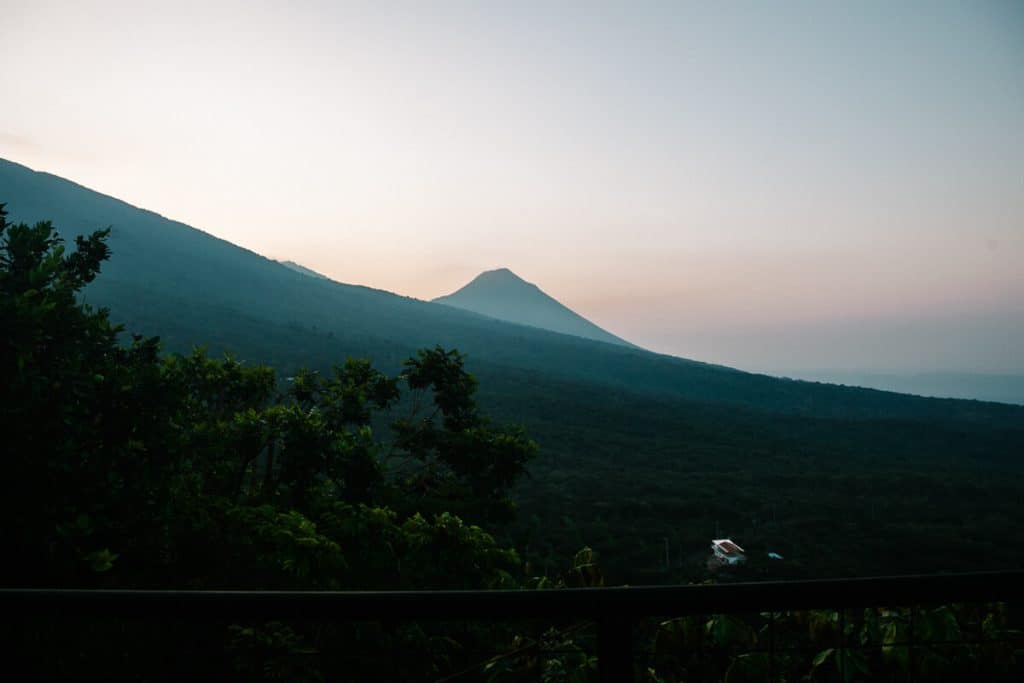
727	546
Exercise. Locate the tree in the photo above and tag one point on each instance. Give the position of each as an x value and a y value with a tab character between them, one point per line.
121	458
80	411
129	469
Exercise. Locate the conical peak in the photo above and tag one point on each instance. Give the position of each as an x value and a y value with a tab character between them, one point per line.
502	294
499	275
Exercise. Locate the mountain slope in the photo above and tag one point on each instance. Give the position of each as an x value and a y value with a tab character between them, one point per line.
196	276
504	295
1007	388
299	268
637	447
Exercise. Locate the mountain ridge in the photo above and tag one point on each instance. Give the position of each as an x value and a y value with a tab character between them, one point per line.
636	446
299	268
503	295
198	277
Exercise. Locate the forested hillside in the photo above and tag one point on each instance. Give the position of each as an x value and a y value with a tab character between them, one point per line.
636	447
131	469
166	274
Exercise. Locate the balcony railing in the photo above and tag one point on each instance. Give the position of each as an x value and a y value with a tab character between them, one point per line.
615	611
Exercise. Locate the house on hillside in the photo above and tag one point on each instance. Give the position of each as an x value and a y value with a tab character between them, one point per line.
727	553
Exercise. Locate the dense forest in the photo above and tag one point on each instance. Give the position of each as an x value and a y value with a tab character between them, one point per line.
637	449
132	467
128	468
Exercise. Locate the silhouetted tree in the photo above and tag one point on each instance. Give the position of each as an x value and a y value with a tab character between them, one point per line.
125	468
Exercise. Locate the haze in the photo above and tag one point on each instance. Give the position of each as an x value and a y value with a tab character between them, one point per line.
773	188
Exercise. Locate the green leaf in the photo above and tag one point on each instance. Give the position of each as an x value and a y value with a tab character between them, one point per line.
749	668
730	631
940	624
101	560
822	657
895	632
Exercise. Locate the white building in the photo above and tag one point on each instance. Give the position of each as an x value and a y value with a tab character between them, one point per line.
727	552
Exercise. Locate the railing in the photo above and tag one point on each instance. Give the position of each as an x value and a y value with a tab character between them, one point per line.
614	610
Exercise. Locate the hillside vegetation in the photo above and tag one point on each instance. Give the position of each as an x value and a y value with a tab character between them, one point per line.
636	447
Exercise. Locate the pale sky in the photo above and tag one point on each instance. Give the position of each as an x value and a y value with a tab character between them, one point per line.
773	186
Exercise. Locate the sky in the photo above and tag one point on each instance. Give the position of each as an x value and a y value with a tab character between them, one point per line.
774	186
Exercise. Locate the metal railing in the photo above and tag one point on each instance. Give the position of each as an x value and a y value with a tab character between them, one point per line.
614	610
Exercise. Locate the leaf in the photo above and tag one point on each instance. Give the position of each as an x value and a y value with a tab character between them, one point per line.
940	624
730	631
748	668
101	560
895	632
822	657
584	557
854	665
851	664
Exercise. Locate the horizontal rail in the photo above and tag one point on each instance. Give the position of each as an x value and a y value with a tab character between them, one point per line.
627	602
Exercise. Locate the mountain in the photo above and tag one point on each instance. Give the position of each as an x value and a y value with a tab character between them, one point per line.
503	295
190	287
636	447
1007	388
299	268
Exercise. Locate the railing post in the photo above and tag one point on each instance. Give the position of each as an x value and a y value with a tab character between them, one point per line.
615	649
910	647
771	646
842	643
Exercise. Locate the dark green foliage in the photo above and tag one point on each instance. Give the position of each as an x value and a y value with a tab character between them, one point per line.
128	469
638	447
125	468
834	497
467	464
79	412
944	643
951	643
